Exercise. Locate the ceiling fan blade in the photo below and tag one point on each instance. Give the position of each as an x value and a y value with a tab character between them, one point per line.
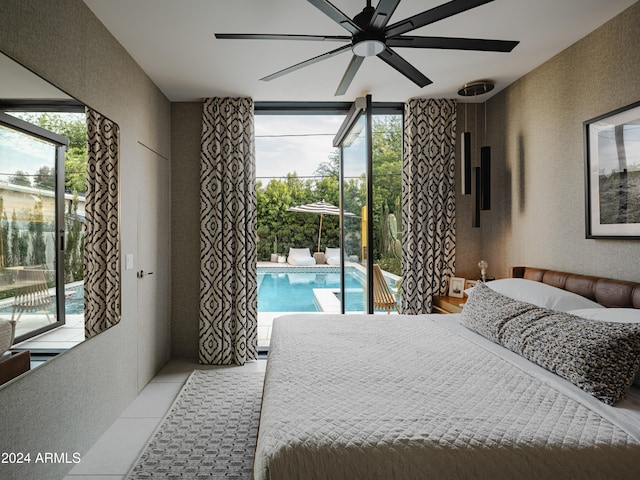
336	15
404	67
311	61
383	13
268	36
453	43
347	78
430	16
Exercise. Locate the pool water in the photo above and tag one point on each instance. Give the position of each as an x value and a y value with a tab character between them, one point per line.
291	289
74	302
73	305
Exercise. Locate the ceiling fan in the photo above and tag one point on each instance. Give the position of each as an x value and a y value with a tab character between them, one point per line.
372	36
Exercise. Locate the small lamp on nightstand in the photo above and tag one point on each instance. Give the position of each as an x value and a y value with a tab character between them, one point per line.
482	265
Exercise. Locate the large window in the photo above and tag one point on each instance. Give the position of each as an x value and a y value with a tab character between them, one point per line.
41	215
297	165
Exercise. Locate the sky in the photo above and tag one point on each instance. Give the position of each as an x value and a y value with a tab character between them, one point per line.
293	143
607	161
22	152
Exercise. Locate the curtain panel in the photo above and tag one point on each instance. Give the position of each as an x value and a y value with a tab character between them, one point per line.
228	222
101	226
428	202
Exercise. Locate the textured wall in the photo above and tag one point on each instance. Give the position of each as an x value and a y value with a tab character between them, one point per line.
536	133
186	121
65	405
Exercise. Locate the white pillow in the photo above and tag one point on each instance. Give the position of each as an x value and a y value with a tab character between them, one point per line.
332	253
620	315
299	252
541	294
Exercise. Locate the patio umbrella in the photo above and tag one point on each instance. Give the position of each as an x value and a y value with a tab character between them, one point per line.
321	208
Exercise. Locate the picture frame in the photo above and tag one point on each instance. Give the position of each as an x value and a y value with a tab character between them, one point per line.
612	174
469	284
456	287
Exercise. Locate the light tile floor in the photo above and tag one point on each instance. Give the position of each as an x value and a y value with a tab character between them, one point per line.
116	451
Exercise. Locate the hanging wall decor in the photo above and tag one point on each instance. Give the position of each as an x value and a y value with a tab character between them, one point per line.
612	174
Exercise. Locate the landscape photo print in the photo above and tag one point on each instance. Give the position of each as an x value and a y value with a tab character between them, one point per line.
612	155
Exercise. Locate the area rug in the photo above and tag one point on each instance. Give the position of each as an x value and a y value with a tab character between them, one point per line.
209	432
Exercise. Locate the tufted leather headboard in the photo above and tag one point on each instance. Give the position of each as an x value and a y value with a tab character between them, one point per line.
605	291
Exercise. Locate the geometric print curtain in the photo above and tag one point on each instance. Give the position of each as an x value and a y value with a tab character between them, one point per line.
101	255
428	202
228	223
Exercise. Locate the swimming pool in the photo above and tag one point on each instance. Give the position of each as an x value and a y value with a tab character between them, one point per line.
290	289
73	305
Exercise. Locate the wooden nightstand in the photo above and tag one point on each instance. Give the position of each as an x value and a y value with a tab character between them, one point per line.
446	304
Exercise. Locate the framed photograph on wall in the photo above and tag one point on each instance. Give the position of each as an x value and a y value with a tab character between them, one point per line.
612	174
456	287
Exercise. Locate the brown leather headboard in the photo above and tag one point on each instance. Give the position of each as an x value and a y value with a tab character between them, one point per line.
605	291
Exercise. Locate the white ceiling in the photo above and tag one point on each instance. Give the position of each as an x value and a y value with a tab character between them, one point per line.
173	41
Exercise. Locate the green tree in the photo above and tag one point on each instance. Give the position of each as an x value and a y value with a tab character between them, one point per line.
4	236
387	187
74	245
45	177
20	178
292	229
36	229
73	128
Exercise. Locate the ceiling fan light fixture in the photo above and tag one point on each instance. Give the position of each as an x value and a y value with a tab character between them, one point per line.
368	48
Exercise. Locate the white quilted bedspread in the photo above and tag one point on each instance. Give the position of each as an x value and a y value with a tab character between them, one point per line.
401	397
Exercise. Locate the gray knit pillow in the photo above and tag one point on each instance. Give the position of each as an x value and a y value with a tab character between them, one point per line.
599	357
486	311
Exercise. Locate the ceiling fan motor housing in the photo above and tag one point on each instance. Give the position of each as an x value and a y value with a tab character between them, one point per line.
371	41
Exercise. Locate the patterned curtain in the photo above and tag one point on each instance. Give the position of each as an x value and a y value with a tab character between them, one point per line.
228	222
428	202
101	226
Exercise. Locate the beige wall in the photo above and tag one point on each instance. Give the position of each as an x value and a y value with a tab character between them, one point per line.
65	405
536	134
186	121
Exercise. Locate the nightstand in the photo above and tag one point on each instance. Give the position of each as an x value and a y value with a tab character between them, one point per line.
447	304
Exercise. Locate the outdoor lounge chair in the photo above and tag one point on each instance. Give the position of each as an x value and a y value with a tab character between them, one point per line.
32	294
332	256
383	298
300	257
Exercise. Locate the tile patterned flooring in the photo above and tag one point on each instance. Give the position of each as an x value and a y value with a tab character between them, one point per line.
118	448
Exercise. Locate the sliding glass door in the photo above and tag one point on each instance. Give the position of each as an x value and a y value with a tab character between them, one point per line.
354	141
31	226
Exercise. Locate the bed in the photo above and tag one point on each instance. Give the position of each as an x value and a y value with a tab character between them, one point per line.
427	397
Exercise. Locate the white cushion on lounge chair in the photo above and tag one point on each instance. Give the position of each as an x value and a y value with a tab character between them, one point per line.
7	334
300	256
332	256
